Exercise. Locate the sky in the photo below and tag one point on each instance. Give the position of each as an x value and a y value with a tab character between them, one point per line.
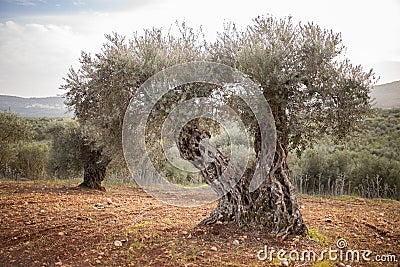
41	39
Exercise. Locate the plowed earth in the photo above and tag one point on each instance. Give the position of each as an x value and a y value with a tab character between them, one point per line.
54	224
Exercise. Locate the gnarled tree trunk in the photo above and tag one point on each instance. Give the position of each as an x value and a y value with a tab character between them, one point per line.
95	168
273	205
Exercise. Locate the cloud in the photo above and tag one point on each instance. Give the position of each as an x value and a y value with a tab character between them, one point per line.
37	50
26	2
23	2
34	57
388	71
78	3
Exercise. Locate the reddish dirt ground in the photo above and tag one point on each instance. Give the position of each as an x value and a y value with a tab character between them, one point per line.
54	224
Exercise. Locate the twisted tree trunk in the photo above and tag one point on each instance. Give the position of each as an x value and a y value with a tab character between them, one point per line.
95	168
273	205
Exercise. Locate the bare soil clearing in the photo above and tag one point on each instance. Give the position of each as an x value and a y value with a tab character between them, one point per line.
50	224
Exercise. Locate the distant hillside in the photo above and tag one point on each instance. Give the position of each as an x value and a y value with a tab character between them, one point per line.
387	95
35	107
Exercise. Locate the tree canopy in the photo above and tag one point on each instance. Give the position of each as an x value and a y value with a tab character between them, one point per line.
304	74
302	70
13	130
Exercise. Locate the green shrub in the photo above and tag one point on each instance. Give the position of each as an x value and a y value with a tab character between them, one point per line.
32	160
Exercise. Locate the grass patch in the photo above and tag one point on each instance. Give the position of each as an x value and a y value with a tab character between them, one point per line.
119	183
192	185
316	236
323	264
349	198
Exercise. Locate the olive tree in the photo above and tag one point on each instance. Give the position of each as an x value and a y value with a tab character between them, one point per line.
300	69
101	89
66	153
312	90
13	130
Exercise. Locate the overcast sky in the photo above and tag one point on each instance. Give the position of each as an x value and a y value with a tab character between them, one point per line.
41	39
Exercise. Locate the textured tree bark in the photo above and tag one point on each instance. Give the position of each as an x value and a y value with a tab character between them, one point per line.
94	169
273	205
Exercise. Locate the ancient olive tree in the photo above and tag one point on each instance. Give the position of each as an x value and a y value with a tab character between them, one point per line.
301	70
311	89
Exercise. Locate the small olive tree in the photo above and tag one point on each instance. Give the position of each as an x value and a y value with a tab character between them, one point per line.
13	130
100	91
66	153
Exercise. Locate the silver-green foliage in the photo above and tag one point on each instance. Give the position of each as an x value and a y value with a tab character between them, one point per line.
302	70
67	139
13	130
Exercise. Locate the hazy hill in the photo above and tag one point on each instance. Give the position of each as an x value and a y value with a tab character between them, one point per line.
387	95
35	107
